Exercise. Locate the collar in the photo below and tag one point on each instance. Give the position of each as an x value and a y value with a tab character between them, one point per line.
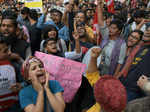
5	62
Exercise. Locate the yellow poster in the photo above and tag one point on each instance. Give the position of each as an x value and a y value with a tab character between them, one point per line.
21	1
34	4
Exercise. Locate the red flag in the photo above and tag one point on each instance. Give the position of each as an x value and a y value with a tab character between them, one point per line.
95	22
133	3
96	28
110	6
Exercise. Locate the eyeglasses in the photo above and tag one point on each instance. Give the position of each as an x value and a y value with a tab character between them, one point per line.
146	36
134	37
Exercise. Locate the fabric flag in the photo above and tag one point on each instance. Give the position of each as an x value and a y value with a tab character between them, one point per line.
95	22
133	3
110	6
96	28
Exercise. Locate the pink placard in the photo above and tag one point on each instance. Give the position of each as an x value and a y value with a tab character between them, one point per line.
67	72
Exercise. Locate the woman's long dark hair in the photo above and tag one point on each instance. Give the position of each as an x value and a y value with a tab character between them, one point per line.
47	29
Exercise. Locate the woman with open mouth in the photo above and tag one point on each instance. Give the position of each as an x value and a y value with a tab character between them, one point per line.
42	94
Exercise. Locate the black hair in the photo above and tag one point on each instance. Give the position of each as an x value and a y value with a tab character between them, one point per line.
25	10
118	7
142	4
89	9
81	6
138	14
121	16
66	3
118	23
93	6
47	40
8	14
107	14
139	32
148	26
80	24
0	13
16	10
56	10
76	2
33	14
80	12
4	40
48	28
131	11
20	3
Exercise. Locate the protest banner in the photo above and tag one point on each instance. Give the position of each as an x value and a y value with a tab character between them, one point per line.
67	72
35	4
7	78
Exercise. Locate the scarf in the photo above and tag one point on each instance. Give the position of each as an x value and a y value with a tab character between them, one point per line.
26	65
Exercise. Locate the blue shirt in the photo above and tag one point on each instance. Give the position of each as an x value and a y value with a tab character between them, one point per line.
63	32
28	95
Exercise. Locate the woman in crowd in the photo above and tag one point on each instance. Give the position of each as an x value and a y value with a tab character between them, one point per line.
50	31
41	95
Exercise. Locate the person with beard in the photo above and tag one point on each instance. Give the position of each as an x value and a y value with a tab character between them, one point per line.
19	48
89	17
83	37
80	17
139	65
76	17
133	43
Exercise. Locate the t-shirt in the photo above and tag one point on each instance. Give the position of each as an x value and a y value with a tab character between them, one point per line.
107	51
7	78
28	95
93	78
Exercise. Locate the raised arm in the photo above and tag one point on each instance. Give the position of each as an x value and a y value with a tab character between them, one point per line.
100	13
56	100
77	53
77	42
92	67
65	18
144	21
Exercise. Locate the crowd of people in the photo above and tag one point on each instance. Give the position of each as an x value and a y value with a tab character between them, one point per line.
114	46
